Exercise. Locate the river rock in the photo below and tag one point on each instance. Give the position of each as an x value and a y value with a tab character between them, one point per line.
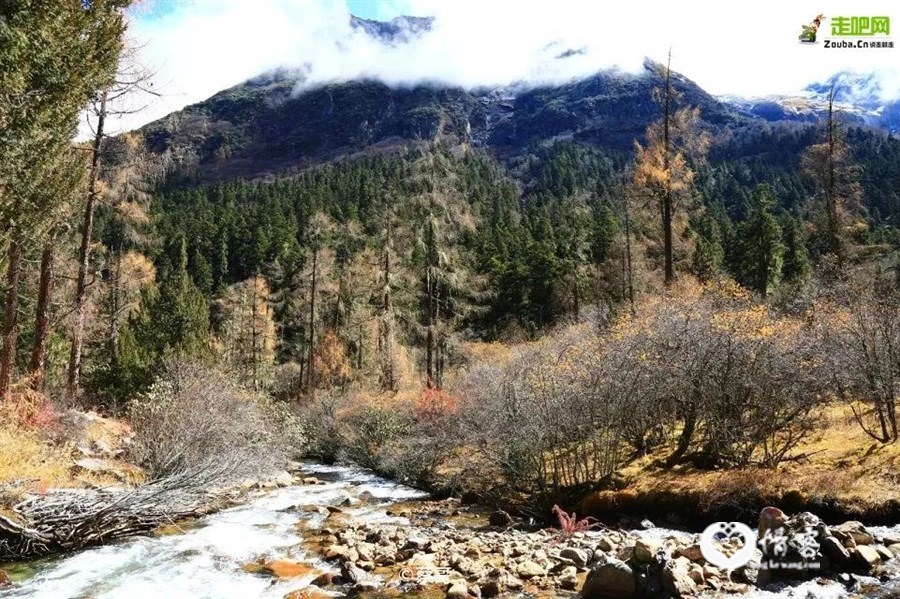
283	479
579	557
835	551
307	593
499	518
884	552
865	556
645	550
458	590
366	586
692	552
286	569
568	578
854	530
530	569
366	551
352	574
325	579
677	579
342	553
610	579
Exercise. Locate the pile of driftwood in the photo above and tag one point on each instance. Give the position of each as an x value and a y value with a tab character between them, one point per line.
66	520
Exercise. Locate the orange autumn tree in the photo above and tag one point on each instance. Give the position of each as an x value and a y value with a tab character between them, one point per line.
248	333
662	172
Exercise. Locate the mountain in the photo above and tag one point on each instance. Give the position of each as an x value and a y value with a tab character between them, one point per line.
266	125
398	30
866	99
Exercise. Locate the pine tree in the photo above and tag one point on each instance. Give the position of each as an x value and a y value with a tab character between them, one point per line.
796	260
708	252
173	323
761	247
53	58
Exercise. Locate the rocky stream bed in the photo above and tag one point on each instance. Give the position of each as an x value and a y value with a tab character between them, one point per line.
342	531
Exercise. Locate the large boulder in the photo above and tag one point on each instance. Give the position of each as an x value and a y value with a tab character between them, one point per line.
853	530
865	556
609	579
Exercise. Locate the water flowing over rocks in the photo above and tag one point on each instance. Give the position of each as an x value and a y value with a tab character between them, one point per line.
339	531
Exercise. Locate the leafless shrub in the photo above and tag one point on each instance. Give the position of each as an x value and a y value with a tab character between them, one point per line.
733	382
863	342
319	421
543	420
196	419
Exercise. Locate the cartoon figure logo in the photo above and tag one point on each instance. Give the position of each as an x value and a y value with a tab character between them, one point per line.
808	35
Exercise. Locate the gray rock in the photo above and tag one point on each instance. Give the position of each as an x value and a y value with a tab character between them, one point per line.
865	556
568	578
530	569
352	574
458	590
499	518
854	530
677	578
579	557
645	550
610	579
835	551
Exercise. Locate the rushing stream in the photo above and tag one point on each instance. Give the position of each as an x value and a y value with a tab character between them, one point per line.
206	559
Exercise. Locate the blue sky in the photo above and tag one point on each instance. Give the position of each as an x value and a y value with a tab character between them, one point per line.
199	47
377	9
368	9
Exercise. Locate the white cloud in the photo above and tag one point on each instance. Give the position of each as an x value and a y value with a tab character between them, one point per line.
201	47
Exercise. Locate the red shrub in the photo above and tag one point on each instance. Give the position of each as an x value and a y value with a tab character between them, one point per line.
434	403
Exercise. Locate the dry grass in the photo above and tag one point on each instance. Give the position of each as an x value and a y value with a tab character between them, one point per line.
27	459
841	462
38	446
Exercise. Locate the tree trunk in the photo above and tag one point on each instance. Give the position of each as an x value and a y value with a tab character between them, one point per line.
115	301
834	233
10	311
628	263
73	380
667	198
43	314
311	369
387	313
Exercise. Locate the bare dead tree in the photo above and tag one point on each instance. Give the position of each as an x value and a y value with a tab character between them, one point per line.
113	101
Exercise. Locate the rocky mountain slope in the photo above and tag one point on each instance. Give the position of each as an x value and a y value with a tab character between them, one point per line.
266	125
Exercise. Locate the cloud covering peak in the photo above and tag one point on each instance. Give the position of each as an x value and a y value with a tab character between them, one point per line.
201	47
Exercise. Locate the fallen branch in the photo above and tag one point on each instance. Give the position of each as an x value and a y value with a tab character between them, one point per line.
67	520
